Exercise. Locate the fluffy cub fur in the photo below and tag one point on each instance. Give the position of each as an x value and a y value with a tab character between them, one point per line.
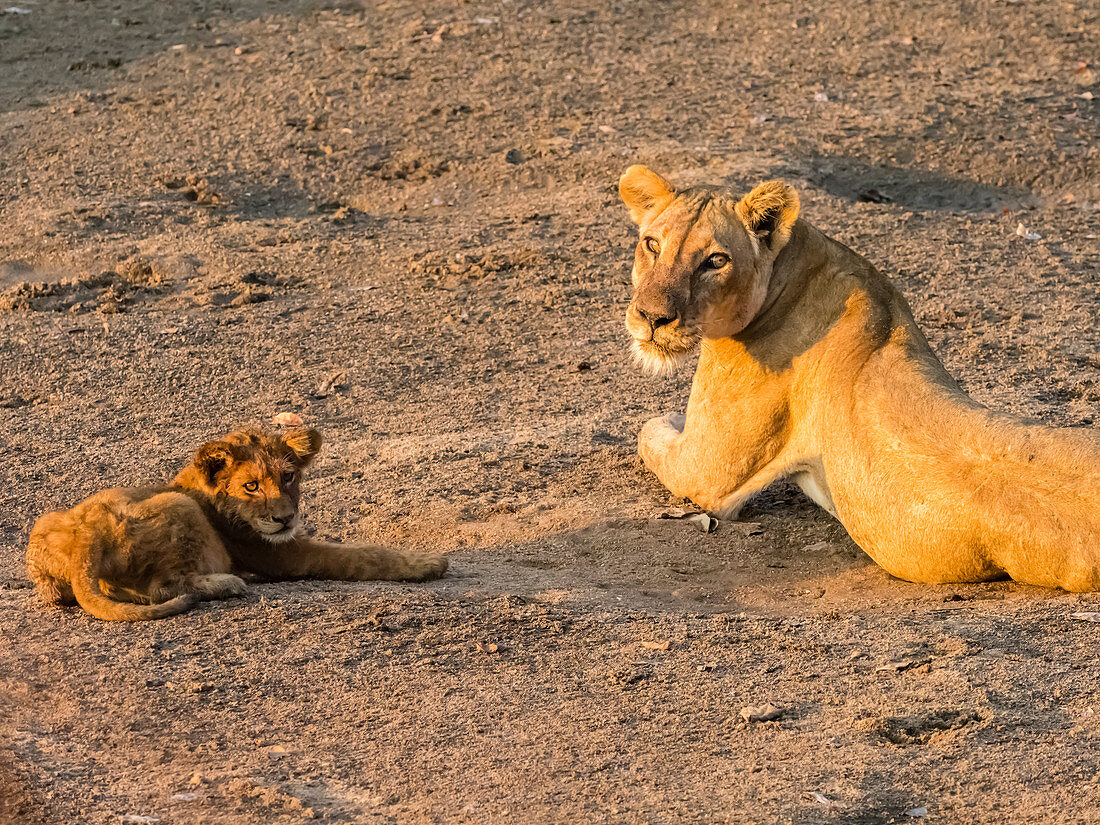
144	553
812	368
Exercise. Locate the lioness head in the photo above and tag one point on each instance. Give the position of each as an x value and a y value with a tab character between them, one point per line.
703	261
253	478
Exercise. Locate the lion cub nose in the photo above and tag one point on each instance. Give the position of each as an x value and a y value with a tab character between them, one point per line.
656	319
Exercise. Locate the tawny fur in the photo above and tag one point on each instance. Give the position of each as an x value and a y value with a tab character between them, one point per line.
147	553
812	368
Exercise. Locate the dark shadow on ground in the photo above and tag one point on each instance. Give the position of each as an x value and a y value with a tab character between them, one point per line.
910	187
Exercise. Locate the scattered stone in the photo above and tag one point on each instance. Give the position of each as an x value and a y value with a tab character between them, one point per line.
873	196
761	713
336	381
249	296
747	528
704	522
902	665
287	419
1026	234
673	513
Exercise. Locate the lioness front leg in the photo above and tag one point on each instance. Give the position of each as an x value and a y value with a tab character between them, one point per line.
718	477
307	558
659	445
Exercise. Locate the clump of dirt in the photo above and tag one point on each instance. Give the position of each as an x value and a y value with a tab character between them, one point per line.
238	290
915	730
109	292
193	188
408	164
451	270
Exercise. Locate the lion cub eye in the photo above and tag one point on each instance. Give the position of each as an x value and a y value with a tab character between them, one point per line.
717	261
288	477
652	245
252	486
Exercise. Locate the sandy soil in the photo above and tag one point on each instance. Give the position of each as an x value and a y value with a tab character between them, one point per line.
399	220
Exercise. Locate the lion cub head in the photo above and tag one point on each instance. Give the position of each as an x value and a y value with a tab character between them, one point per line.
252	478
703	261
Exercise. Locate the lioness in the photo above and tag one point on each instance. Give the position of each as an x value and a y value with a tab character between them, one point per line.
812	368
146	553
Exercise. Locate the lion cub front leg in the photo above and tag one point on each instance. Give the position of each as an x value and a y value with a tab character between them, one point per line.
306	558
371	563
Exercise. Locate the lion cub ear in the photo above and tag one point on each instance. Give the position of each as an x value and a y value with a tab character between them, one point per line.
769	211
644	191
304	444
211	458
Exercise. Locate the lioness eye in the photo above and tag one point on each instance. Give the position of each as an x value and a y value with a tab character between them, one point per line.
717	261
252	486
288	477
652	245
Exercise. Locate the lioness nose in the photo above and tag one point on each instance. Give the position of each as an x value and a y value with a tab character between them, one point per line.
656	319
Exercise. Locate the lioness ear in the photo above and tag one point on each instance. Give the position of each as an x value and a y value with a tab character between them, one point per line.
769	211
643	191
304	443
212	458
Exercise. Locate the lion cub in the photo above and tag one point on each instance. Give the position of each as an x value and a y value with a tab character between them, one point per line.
129	554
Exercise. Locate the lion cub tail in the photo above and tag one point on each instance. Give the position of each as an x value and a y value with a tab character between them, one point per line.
89	596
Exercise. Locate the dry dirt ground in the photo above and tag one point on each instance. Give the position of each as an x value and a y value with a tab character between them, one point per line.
399	220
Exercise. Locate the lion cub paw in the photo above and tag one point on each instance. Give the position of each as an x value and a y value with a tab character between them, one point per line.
420	566
220	586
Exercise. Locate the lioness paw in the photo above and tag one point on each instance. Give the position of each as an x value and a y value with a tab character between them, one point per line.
657	436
